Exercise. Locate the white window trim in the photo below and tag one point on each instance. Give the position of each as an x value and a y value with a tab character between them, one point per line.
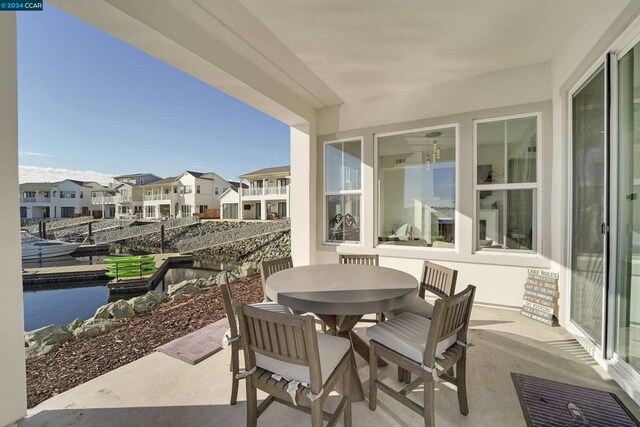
538	186
325	193
376	207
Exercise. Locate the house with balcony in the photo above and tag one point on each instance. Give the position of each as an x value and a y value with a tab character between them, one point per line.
35	200
126	194
64	199
183	196
267	195
489	137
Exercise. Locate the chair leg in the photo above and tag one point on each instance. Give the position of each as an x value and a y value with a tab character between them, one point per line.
373	376
346	387
429	401
252	404
407	377
235	369
461	376
400	374
317	416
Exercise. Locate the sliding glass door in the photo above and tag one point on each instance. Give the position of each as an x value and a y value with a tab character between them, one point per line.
627	343
589	199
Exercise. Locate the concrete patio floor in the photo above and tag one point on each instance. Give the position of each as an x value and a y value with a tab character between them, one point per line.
158	390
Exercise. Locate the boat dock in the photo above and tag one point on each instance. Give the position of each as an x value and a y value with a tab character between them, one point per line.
150	281
42	276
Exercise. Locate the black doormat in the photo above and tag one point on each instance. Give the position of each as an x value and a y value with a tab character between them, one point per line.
548	403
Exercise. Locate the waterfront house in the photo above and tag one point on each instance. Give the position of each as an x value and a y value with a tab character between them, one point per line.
267	195
230	201
507	128
124	196
64	199
184	195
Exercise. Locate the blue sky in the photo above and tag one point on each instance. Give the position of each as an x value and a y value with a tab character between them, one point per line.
90	103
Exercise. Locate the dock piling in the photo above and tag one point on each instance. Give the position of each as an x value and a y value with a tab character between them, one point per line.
162	238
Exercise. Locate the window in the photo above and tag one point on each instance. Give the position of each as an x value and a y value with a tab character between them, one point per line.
506	183
198	189
188	189
81	194
67	194
185	210
342	190
67	211
202	208
417	188
141	180
216	191
150	211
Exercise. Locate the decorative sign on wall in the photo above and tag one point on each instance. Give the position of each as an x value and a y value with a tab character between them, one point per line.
540	300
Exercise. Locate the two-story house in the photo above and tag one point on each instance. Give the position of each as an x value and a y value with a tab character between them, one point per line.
183	195
268	193
128	193
64	199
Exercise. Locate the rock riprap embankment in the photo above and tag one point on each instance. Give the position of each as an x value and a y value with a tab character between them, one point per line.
270	246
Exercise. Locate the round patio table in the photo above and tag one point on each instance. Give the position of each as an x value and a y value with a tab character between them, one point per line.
340	294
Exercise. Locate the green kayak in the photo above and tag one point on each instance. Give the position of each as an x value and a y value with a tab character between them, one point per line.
129	259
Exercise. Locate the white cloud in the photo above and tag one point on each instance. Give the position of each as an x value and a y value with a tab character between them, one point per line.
34	154
43	174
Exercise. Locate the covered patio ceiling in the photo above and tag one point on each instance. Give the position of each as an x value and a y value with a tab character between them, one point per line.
304	56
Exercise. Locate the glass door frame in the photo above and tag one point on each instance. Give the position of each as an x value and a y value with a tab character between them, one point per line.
601	349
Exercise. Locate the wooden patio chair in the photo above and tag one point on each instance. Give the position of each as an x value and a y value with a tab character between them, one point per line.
287	359
437	280
363	260
267	268
401	340
233	337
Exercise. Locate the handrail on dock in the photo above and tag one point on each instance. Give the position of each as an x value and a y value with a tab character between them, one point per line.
141	230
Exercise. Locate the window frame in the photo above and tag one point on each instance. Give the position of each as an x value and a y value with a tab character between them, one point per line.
536	186
325	193
376	206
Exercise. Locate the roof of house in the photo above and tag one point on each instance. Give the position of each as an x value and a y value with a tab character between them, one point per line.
168	180
269	171
38	185
235	185
133	175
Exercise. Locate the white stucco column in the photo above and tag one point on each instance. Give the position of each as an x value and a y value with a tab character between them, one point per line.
303	195
13	392
263	209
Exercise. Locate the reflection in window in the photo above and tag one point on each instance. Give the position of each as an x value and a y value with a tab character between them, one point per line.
417	188
342	190
506	165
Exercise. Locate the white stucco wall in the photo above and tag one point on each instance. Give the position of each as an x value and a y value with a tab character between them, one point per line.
13	402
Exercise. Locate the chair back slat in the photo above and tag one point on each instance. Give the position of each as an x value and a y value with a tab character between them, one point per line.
227	301
438	280
359	259
450	316
267	268
280	336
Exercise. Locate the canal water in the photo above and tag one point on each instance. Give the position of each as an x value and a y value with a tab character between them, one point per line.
60	305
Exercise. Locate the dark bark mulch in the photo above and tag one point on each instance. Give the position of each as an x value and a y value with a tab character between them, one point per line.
80	360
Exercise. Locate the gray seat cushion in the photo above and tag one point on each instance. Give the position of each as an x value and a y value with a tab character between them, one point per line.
417	306
272	306
332	350
407	335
